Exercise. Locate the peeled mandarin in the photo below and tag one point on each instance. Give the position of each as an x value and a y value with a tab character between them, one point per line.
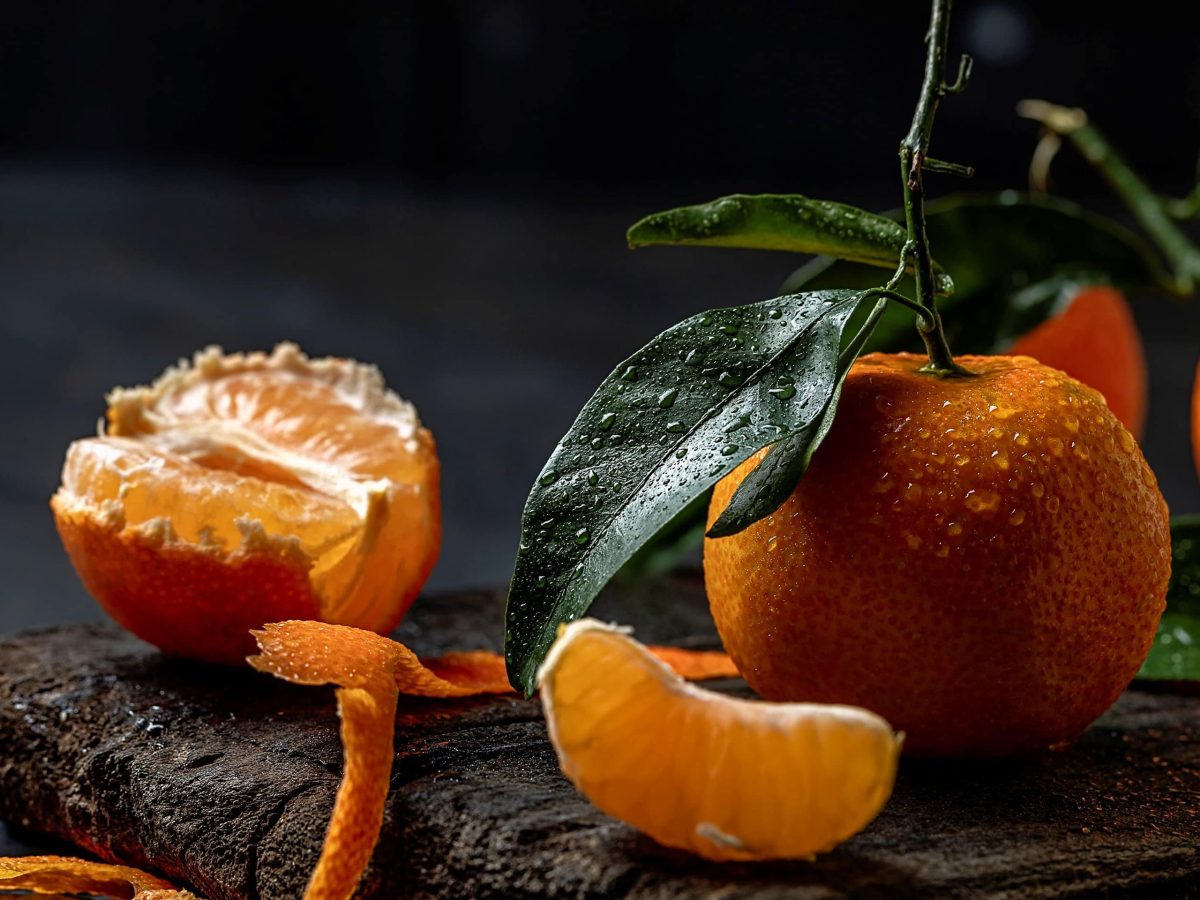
249	488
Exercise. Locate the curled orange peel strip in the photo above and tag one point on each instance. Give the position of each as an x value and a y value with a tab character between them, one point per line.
369	673
62	875
364	668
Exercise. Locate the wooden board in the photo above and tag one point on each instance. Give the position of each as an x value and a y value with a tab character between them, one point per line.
224	779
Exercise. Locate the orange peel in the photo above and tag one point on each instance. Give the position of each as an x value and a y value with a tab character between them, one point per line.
696	665
63	875
248	488
369	673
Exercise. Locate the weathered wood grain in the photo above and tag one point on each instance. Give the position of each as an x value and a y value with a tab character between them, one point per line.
224	779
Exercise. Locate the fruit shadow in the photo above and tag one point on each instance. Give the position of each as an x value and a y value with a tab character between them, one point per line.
845	870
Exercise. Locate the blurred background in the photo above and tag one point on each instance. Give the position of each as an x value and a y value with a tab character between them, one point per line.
442	187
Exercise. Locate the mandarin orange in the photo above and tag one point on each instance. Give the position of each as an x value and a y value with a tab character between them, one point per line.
982	561
1096	340
250	488
726	778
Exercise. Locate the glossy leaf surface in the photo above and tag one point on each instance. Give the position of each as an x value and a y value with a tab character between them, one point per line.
788	222
1016	260
668	422
772	481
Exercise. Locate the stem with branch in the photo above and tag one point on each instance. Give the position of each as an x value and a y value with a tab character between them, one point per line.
1155	214
914	159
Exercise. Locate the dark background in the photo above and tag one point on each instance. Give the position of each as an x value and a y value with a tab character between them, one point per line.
442	188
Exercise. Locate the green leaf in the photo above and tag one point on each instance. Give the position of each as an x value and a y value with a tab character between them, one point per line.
1175	655
668	548
667	424
772	481
1016	260
780	222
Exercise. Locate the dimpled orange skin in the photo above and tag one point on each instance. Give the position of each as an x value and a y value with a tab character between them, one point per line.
981	561
1095	340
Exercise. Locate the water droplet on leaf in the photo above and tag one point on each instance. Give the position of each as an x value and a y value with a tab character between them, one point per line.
783	392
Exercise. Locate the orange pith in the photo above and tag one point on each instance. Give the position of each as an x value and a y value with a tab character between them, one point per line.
245	489
1096	340
725	778
982	561
59	875
370	672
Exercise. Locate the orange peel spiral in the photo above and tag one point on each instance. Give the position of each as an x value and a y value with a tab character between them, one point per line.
369	673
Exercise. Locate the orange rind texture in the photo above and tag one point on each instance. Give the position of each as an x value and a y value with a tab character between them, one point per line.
314	653
369	672
363	667
725	778
1096	340
982	561
59	875
243	489
696	665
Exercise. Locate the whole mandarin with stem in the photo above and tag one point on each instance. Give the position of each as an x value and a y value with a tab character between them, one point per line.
1096	340
982	560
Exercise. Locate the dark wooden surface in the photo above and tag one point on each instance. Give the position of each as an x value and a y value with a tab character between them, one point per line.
224	779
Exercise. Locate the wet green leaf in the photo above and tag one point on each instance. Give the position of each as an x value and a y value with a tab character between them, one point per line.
780	222
1016	261
772	481
668	423
1175	655
672	545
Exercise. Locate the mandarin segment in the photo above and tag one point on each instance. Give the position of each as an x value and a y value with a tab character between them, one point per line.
982	561
59	875
1096	340
250	488
725	778
369	672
